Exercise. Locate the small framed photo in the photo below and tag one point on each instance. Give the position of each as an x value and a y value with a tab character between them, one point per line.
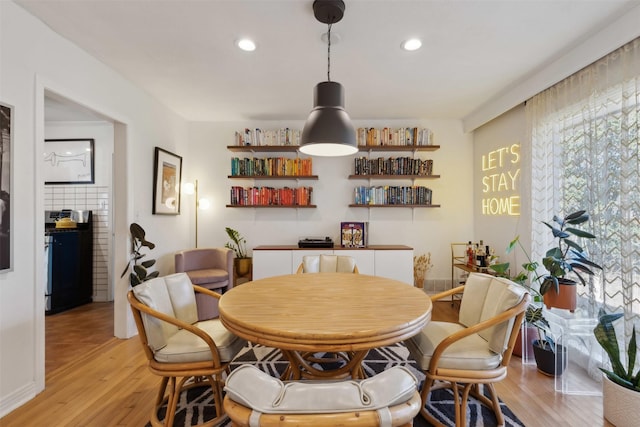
167	179
353	234
69	161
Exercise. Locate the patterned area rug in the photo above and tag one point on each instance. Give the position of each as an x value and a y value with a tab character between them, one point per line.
196	405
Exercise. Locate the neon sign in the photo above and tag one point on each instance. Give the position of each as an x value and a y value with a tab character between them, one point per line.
500	181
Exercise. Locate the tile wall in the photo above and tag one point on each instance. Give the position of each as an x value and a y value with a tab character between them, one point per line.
97	199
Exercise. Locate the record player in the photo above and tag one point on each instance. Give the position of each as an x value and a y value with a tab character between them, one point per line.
315	242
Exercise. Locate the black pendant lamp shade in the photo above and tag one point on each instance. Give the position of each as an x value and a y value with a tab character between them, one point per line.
328	130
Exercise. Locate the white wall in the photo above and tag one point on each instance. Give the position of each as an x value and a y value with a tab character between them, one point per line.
498	230
425	229
34	59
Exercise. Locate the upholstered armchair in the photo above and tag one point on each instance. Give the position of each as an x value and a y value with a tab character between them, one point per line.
178	347
211	268
474	352
327	264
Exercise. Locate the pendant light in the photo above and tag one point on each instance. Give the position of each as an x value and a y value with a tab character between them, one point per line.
328	130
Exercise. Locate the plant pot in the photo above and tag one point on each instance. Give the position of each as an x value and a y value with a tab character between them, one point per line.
565	299
242	266
546	359
529	333
620	404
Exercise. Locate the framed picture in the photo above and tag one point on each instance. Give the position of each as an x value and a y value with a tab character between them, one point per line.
6	150
353	234
69	161
167	179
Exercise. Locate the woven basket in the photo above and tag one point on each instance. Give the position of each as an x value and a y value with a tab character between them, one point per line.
620	405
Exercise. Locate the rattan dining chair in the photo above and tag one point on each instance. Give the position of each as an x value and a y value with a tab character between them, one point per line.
327	264
183	351
475	352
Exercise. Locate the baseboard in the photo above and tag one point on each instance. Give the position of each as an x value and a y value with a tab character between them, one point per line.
17	398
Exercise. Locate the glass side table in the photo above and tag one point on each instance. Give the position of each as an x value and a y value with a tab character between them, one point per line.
574	332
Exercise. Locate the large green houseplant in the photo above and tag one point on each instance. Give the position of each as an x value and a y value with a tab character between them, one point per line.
621	386
564	260
238	245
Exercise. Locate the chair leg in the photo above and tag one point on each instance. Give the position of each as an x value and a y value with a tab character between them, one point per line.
491	402
427	387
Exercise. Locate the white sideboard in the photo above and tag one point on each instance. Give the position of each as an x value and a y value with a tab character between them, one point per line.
392	261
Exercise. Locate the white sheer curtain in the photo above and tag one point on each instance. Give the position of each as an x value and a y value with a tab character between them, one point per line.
585	155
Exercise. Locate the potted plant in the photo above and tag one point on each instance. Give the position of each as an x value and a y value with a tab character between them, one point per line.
566	257
139	271
242	262
620	386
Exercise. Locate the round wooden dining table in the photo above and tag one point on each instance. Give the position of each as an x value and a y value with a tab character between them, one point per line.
342	313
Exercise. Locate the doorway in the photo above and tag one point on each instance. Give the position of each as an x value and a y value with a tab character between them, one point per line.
66	119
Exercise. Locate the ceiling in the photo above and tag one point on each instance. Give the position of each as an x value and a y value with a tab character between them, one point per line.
182	52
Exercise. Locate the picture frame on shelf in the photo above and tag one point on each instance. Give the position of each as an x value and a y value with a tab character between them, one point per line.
6	185
353	234
69	161
167	182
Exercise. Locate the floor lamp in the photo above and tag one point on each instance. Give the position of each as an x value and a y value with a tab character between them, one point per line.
192	188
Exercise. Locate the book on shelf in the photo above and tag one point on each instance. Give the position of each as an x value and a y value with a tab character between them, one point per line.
354	234
272	137
392	195
271	166
392	166
405	136
270	196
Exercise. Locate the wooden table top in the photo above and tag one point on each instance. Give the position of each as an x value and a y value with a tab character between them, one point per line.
325	311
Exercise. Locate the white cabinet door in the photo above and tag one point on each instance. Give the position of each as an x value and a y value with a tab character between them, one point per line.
364	260
396	265
271	263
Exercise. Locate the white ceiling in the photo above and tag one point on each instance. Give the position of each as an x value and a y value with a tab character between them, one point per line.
183	52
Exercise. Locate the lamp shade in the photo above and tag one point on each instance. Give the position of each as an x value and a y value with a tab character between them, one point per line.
328	130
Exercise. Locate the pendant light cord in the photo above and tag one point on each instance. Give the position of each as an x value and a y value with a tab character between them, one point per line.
329	54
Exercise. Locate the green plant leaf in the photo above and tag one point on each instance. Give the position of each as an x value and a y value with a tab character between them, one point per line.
500	268
140	271
580	233
574	216
148	263
574	245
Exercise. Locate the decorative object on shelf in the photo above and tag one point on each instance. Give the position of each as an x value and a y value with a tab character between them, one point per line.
192	188
354	234
138	241
69	161
621	386
328	130
567	257
167	178
269	196
394	137
242	261
421	265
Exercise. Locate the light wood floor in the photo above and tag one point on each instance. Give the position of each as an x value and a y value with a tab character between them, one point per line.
93	379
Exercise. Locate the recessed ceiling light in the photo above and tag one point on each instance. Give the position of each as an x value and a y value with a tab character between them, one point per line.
412	44
246	44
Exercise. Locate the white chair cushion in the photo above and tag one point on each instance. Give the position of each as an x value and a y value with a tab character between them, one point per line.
182	296
471	352
154	294
504	294
328	263
346	264
473	298
261	392
310	264
187	347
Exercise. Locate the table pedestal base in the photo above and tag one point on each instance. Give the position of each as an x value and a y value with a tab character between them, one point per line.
301	365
